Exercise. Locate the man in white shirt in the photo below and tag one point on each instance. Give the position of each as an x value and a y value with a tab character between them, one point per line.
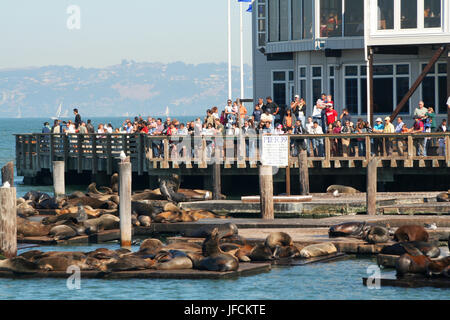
317	143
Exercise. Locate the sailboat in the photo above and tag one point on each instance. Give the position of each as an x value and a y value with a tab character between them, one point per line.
58	112
19	114
167	111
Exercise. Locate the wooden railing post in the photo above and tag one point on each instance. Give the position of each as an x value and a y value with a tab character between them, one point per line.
140	152
326	163
30	153
447	150
409	161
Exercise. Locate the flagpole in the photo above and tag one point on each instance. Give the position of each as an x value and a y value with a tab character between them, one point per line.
242	50
229	50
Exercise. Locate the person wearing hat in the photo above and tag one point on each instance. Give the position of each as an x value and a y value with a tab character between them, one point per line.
377	142
388	128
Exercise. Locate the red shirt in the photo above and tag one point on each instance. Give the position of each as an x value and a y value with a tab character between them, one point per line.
331	115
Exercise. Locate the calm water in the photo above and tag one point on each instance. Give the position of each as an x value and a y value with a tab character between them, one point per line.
337	280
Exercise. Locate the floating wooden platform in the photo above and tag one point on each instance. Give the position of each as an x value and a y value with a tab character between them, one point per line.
303	262
103	236
245	269
421	208
277	199
23	246
413	282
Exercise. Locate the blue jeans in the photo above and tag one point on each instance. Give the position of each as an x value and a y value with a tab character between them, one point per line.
361	148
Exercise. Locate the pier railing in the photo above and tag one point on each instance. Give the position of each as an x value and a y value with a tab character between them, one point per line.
100	152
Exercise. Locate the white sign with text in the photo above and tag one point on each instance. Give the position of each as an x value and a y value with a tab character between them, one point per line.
275	151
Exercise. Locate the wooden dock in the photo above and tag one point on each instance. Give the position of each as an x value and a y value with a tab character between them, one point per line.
245	269
413	282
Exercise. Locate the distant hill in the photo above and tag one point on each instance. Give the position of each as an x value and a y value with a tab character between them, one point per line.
130	87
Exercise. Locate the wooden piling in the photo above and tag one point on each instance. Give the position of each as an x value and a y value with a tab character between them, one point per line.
217	181
371	197
125	203
58	178
303	172
8	173
266	192
8	222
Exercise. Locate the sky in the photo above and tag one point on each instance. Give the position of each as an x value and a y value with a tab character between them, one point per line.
43	32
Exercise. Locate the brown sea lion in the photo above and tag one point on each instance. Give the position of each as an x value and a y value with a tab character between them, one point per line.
92	202
105	222
348	229
440	267
115	182
19	265
428	249
147	195
62	232
173	260
411	233
411	264
226	230
443	197
184	246
76	194
317	250
129	262
341	189
261	252
142	208
278	239
25	209
27	228
144	221
377	234
171	207
167	216
54	263
215	259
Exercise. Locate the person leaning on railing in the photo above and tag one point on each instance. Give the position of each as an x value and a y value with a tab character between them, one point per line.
388	128
442	128
418	127
377	142
400	141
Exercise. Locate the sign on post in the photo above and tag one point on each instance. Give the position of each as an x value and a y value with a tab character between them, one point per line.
275	151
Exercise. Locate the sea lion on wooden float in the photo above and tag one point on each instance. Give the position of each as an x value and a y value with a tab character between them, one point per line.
225	230
76	194
145	221
105	222
411	233
19	265
318	249
411	264
341	189
443	197
173	260
142	208
215	259
150	247
25	209
261	252
147	195
440	267
115	182
348	229
377	234
128	262
62	232
27	228
428	249
278	239
92	202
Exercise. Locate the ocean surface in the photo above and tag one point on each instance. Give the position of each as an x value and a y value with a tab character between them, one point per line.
336	280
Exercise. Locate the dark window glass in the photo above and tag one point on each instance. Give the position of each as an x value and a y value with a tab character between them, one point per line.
402	89
432	70
331	18
262	39
261	25
385	14
261	11
383	91
331	88
274	15
279	93
291	75
351	95
363	70
442	68
351	70
279	76
316	71
317	89
428	91
296	19
442	102
331	73
402	69
307	19
408	19
303	72
363	84
383	70
303	89
432	13
354	18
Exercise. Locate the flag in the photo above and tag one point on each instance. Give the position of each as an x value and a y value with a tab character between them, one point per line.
245	0
249	8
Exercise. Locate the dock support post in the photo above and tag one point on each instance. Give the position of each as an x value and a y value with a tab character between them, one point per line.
8	173
303	172
8	222
217	179
125	204
371	192
58	178
266	192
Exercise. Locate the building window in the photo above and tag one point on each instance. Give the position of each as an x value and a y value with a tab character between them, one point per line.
261	23
296	11
302	81
282	87
284	20
434	88
331	80
354	18
307	19
408	19
274	27
331	18
390	84
301	19
316	76
385	14
432	13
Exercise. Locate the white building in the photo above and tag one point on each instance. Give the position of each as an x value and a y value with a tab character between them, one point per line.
307	47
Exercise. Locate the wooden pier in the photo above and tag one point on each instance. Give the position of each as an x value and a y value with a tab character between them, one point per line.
194	156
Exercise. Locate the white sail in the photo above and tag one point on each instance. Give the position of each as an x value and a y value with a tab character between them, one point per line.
58	112
167	111
19	114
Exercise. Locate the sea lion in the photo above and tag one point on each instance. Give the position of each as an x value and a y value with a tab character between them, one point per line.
142	208
31	255
144	221
318	249
147	195
341	189
19	265
215	259
184	246
174	260
411	264
27	228
443	197
62	232
426	248
194	195
377	234
92	189
167	216
171	207
105	222
169	185
134	220
47	202
286	252
102	254
348	229
261	252
25	209
203	214
278	239
440	267
76	194
411	233
129	262
225	230
115	182
91	202
150	247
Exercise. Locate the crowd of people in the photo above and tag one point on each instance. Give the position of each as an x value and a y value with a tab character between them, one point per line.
270	118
